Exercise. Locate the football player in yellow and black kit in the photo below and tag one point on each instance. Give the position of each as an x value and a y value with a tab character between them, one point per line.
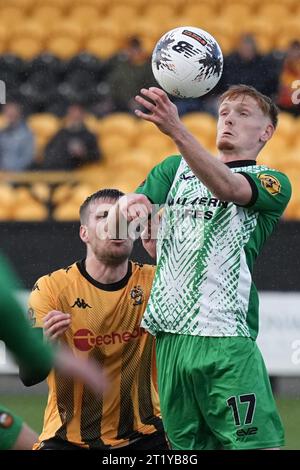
95	306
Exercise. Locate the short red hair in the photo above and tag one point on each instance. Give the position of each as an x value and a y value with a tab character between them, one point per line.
265	103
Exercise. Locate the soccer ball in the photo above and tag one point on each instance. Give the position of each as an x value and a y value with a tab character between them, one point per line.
187	62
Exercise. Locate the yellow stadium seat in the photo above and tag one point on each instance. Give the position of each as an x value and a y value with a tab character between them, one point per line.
47	14
29	29
63	5
134	161
287	127
105	26
204	2
200	123
44	124
63	46
236	11
67	28
41	191
66	212
102	46
25	5
3	33
7	196
199	12
289	4
112	144
121	124
6	214
274	12
159	11
30	210
84	14
61	194
259	25
121	13
101	5
157	144
147	128
10	15
80	193
289	26
92	123
25	47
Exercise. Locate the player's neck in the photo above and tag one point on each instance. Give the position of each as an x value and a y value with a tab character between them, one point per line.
104	273
227	157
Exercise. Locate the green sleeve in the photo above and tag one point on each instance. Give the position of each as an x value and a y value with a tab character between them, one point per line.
159	181
31	353
271	191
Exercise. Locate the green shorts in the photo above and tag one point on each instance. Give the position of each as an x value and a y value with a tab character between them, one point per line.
10	428
215	394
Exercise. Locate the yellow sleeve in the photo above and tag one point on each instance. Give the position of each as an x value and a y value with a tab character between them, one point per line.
41	301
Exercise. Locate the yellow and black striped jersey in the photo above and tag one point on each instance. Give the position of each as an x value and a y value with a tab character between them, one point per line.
105	325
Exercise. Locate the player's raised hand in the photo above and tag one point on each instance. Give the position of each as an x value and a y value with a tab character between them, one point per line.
134	206
162	112
130	208
55	324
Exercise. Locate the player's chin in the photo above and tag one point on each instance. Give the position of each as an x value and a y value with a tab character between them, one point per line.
224	144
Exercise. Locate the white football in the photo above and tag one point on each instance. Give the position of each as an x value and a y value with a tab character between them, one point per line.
187	62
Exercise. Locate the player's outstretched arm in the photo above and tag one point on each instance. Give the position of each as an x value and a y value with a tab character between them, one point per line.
212	172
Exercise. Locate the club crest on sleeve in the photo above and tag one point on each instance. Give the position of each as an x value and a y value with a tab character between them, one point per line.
270	183
6	420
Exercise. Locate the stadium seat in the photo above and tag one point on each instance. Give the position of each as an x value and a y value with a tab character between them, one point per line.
25	47
200	123
102	46
84	15
274	12
66	212
30	210
10	15
61	194
29	29
41	191
63	5
47	14
159	11
105	26
287	127
198	12
236	11
44	124
120	124
121	12
24	5
63	47
7	196
3	33
112	144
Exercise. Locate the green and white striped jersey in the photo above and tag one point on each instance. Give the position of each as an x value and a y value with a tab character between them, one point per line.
206	249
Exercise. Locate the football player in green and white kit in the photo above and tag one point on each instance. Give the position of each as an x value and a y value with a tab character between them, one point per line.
213	385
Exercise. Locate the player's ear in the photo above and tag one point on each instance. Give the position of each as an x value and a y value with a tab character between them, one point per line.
83	233
267	133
